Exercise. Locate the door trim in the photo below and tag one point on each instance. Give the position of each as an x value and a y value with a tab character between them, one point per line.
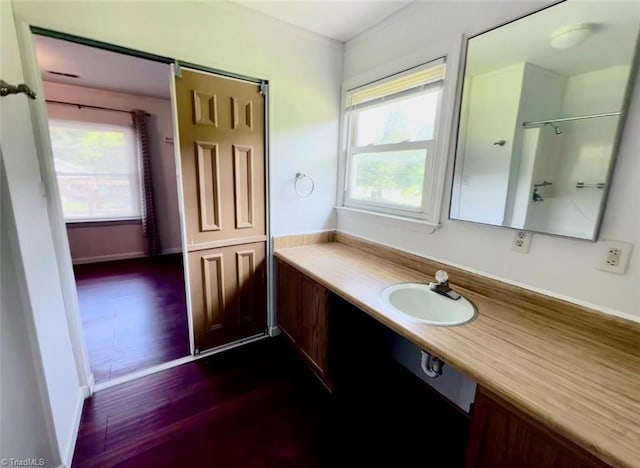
272	324
218	73
39	122
99	44
181	216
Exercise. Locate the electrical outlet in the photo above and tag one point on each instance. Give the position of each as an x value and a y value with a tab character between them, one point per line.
614	257
521	242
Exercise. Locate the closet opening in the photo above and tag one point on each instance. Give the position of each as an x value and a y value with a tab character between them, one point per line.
111	129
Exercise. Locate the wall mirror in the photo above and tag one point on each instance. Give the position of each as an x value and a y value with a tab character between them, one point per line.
541	114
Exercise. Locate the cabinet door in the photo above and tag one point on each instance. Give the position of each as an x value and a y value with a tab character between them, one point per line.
288	291
314	324
504	437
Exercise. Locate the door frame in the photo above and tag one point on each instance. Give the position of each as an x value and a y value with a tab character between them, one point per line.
49	186
180	191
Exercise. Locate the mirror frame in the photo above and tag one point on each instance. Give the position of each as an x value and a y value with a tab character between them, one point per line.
455	147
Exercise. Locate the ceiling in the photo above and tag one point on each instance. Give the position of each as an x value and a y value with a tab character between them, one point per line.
527	40
98	68
524	40
335	19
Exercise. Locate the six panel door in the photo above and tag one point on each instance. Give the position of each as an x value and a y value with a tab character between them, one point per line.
221	130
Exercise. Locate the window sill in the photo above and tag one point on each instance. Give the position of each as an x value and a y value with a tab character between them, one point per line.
388	217
102	222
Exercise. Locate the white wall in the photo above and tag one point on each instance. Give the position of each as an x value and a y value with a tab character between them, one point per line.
588	143
456	387
559	266
304	71
22	432
101	242
492	104
541	98
94	243
43	306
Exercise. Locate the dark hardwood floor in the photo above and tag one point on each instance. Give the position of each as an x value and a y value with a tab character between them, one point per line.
133	312
257	406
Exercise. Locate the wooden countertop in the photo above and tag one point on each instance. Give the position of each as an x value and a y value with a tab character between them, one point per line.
578	375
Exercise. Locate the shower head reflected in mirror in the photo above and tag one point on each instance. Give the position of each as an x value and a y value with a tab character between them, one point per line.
556	129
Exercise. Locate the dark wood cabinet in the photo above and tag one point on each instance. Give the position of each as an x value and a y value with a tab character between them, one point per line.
314	324
303	317
288	300
502	436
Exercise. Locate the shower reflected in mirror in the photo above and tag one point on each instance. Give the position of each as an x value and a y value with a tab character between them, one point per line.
541	114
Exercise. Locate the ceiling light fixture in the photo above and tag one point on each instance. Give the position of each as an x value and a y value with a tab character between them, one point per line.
571	36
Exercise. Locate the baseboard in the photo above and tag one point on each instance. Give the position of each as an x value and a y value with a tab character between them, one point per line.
172	250
68	453
107	258
87	390
274	331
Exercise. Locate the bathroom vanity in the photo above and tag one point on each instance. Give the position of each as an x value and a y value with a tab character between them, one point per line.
557	383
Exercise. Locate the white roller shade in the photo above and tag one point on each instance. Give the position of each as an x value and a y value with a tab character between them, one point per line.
397	85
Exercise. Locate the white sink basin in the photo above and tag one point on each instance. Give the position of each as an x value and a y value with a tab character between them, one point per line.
418	302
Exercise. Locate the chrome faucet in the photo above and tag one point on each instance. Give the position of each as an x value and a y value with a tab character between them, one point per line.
441	286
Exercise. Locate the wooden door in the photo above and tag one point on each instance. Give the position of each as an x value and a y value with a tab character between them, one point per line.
221	129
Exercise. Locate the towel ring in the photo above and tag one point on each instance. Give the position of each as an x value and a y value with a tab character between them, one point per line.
299	177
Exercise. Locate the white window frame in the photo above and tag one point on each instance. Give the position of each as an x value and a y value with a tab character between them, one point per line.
134	177
436	162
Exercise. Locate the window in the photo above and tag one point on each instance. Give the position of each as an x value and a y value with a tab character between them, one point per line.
391	130
97	170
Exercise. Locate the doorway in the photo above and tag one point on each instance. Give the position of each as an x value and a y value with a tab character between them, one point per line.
111	131
200	284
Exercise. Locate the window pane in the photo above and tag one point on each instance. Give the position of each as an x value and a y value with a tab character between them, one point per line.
96	197
410	119
394	177
96	166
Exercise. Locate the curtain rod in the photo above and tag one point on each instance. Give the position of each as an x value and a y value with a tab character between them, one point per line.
568	119
79	106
